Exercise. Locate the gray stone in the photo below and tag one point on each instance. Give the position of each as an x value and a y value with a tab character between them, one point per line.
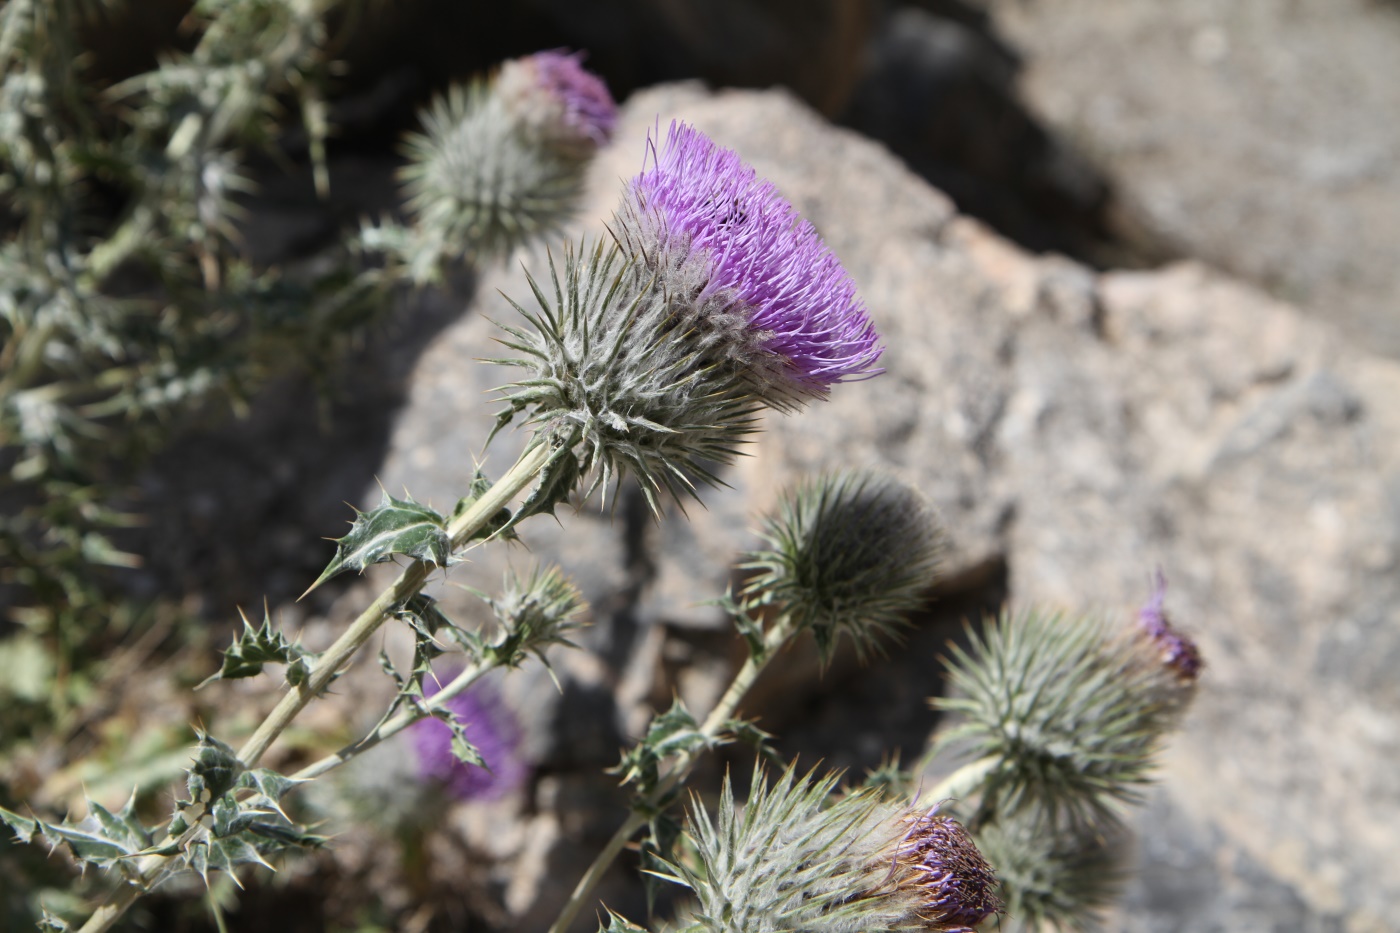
1255	134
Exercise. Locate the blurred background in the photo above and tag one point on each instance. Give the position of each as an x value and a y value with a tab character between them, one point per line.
1205	186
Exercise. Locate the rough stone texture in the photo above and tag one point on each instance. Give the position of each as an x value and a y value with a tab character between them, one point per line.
1256	134
1078	430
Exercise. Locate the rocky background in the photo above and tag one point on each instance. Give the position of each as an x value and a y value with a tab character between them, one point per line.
1130	260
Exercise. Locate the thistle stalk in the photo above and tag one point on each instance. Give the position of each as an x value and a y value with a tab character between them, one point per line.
722	713
154	869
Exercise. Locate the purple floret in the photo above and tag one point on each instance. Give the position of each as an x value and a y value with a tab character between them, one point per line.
803	305
1177	650
588	107
957	888
492	729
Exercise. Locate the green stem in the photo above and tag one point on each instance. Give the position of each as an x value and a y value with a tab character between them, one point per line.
722	713
964	780
156	868
394	726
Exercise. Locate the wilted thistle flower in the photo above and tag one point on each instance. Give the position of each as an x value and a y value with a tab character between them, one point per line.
1177	652
849	553
1055	877
794	859
1065	706
491	728
502	162
804	328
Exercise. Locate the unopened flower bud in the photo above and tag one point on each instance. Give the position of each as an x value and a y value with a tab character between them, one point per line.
1177	652
500	163
558	101
850	553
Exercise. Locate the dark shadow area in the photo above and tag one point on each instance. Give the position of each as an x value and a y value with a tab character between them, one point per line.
939	88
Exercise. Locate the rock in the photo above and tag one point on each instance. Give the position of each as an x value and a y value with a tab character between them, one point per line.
1254	135
1077	430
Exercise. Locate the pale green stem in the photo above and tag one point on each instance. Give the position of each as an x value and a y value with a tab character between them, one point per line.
722	713
394	726
964	780
156	868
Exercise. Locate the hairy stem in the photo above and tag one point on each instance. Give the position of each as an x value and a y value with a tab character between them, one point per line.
714	723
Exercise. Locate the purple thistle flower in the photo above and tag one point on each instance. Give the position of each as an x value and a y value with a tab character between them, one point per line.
1178	652
553	92
489	726
698	197
954	884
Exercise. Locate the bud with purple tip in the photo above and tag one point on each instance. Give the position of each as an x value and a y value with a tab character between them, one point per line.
500	163
1178	653
941	867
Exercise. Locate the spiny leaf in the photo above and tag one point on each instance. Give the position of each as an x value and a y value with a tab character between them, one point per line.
256	647
397	526
498	525
674	732
89	841
462	749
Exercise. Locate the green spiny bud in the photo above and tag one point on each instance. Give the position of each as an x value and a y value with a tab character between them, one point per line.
795	859
850	553
645	381
1055	877
535	612
1069	706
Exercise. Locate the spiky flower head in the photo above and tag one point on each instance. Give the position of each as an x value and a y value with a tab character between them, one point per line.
638	375
1065	707
534	612
559	100
1055	877
796	857
805	327
851	553
500	163
942	867
491	728
1177	652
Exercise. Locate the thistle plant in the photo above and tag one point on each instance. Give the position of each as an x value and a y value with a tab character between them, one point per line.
648	354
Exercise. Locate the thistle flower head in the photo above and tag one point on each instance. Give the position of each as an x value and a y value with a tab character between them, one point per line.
849	553
1065	707
501	163
797	857
491	728
554	96
1055	877
807	328
947	875
641	375
1178	653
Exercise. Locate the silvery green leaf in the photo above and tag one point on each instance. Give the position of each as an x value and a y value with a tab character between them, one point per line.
90	841
397	526
674	732
619	924
269	785
499	524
